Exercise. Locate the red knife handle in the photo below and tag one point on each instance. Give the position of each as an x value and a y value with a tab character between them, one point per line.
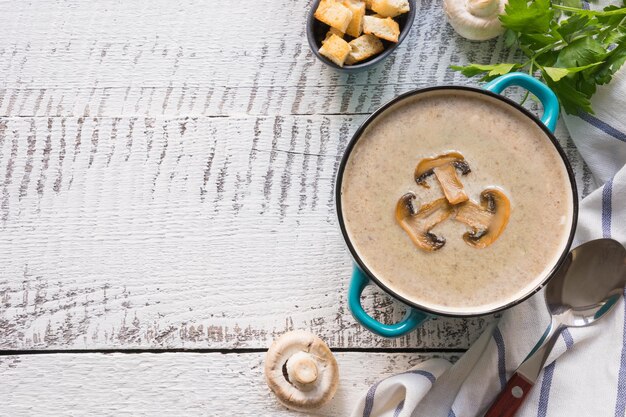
511	398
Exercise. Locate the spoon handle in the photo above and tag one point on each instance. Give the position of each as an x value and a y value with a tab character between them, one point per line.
511	398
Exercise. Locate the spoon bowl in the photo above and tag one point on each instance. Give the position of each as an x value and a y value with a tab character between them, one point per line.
588	284
585	288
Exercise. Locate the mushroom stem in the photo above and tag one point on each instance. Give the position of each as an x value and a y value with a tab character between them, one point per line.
301	368
474	216
451	184
445	168
488	220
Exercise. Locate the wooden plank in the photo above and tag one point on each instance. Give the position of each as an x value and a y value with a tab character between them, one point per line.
192	58
160	238
170	384
207	232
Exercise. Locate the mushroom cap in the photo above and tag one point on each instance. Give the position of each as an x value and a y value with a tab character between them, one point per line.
418	223
426	166
475	20
301	370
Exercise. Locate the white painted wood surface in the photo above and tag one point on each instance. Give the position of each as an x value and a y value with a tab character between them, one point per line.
167	173
166	181
192	58
170	384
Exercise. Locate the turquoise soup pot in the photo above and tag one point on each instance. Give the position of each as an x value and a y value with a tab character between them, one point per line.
362	277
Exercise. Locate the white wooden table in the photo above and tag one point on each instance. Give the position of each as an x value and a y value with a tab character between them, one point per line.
166	203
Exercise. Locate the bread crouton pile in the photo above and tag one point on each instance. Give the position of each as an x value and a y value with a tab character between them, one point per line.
357	27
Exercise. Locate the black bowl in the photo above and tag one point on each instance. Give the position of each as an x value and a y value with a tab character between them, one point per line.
316	32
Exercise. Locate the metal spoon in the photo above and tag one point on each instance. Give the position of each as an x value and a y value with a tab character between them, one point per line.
585	288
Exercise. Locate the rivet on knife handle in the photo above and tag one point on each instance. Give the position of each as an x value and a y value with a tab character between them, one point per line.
511	397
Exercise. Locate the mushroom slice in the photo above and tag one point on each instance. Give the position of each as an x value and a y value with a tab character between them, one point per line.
301	370
445	169
419	223
487	220
450	183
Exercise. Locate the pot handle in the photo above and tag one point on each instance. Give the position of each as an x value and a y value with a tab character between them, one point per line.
543	92
410	322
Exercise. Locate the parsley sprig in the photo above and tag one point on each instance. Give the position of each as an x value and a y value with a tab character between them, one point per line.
571	49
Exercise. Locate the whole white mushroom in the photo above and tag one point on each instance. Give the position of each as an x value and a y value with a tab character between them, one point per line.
301	370
476	20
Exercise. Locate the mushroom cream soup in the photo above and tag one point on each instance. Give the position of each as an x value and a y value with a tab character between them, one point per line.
456	201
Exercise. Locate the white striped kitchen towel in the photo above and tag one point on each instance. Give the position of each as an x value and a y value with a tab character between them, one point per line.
585	375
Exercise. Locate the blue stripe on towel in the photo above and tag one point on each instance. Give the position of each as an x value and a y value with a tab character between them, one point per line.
606	208
369	400
548	372
398	409
567	338
426	374
497	337
603	126
620	404
544	395
371	393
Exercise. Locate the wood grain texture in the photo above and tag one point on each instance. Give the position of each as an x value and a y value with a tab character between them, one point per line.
151	233
173	384
167	168
192	58
164	233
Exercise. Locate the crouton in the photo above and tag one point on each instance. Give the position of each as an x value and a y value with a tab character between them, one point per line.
387	29
332	32
364	47
335	49
368	4
358	11
390	8
334	14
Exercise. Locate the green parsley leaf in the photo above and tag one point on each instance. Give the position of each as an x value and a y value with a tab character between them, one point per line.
571	49
492	71
613	62
510	37
527	16
557	73
574	26
581	52
572	100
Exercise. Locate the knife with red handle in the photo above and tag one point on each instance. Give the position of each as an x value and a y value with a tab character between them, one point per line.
519	385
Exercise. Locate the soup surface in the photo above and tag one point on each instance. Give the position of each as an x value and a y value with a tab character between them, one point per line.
503	149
